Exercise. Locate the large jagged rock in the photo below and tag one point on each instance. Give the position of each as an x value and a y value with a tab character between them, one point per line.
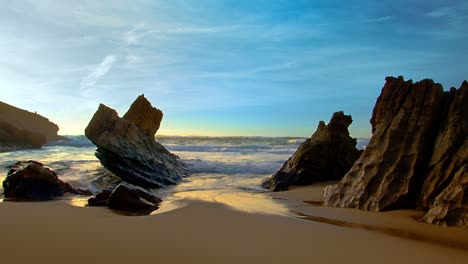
127	150
417	155
31	180
327	155
445	190
145	116
25	120
392	166
13	138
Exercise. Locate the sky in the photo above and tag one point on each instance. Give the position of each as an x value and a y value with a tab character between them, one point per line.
237	68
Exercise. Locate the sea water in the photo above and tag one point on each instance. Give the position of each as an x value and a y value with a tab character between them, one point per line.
227	170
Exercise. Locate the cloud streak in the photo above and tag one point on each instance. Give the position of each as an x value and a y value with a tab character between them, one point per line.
98	72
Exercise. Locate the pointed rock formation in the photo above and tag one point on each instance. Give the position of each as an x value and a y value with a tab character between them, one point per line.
327	155
145	116
417	155
127	148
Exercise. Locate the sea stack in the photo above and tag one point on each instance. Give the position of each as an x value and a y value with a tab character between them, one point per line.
127	147
327	155
417	156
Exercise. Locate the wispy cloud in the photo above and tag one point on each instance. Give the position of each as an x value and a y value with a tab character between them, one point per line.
378	19
98	72
440	12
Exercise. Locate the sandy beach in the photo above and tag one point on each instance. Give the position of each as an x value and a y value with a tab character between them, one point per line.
203	232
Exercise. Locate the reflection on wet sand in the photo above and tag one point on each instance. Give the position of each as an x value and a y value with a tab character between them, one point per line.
385	230
246	202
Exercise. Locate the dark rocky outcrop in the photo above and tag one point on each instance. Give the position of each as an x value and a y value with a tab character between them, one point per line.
25	120
12	138
327	155
417	155
31	180
445	189
126	197
125	148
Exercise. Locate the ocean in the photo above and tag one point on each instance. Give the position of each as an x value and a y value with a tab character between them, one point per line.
226	170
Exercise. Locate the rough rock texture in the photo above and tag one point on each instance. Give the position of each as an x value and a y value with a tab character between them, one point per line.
445	190
12	138
145	116
31	180
327	155
25	120
416	157
130	153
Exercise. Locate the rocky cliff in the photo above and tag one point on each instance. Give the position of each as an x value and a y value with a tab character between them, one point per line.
24	120
12	138
327	155
127	147
417	152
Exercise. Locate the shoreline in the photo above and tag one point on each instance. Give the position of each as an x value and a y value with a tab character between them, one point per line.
208	232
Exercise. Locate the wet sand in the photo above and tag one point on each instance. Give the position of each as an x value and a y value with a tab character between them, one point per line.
204	232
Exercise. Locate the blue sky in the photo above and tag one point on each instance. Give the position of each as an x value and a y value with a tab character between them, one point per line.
270	68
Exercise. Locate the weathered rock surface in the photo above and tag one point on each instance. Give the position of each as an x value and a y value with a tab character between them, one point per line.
445	189
327	155
31	180
416	157
126	149
12	138
26	120
146	117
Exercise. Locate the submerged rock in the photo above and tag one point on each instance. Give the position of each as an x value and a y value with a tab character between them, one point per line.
417	155
31	180
127	148
327	155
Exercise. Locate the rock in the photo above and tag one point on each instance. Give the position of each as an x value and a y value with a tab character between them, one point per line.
29	121
131	154
417	156
31	180
450	207
145	116
327	155
100	199
13	138
131	198
390	171
445	190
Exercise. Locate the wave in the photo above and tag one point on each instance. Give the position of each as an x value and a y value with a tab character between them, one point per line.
80	141
228	167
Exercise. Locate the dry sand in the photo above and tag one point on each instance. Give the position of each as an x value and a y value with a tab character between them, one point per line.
202	232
